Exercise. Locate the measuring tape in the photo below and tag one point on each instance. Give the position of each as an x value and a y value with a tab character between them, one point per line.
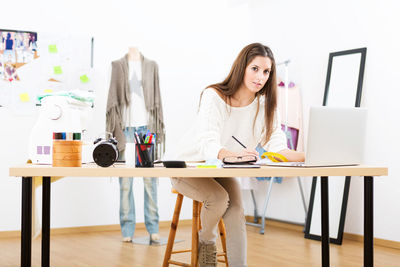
274	157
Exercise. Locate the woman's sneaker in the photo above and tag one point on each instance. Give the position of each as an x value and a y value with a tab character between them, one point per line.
207	255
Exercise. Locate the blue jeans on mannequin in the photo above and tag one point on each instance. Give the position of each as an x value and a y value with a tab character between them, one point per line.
127	215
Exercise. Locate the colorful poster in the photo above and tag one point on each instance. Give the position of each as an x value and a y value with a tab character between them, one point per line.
17	48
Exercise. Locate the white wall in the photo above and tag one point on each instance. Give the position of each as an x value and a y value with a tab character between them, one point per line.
194	44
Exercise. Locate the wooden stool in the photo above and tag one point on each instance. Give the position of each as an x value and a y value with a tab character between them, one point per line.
196	226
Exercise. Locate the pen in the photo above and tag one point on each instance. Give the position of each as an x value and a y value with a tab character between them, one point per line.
137	138
139	154
239	142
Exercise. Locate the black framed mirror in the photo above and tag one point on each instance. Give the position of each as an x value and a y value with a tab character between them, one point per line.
343	88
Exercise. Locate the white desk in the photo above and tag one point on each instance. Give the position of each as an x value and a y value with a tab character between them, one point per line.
28	171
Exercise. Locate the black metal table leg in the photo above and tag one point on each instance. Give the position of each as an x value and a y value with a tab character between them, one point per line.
368	221
26	222
46	222
324	221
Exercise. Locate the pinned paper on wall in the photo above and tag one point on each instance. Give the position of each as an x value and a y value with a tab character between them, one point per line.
84	79
53	49
24	97
52	63
57	70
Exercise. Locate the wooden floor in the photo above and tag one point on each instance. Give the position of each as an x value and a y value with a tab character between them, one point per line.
278	247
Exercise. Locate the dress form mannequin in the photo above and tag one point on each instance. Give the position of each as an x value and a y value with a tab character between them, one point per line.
133	53
135	56
134	89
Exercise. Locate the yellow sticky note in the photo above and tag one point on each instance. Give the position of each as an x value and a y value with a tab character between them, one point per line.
84	79
53	49
24	97
48	91
57	70
207	166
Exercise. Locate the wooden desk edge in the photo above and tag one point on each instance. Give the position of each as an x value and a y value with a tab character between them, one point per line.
29	170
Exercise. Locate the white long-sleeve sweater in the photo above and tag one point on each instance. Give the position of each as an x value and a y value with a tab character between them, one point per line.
215	124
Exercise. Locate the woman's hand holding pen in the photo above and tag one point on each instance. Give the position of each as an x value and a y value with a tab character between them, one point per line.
246	151
249	152
223	153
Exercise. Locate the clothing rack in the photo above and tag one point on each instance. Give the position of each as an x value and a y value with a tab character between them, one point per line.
286	63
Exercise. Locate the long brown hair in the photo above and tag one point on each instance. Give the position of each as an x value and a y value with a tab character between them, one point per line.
234	80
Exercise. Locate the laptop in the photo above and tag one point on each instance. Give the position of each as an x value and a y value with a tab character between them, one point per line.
336	137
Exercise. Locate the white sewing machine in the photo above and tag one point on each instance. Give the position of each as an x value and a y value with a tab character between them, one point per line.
58	113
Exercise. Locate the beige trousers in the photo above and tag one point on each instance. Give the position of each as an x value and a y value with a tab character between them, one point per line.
221	198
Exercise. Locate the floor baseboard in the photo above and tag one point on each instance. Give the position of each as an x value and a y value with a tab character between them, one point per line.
10	234
348	236
377	241
89	229
277	223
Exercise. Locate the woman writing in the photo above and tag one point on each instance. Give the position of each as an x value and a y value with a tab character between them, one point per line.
244	105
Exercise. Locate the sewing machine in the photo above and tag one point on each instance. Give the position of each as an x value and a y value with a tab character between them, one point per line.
59	113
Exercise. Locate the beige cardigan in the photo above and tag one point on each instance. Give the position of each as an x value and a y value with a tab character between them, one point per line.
119	98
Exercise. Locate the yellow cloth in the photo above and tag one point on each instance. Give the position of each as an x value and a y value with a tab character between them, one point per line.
274	157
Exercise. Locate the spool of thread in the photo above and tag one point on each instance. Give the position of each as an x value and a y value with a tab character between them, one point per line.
67	136
57	136
77	136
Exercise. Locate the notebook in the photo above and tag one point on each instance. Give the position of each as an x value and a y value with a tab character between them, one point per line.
336	137
241	166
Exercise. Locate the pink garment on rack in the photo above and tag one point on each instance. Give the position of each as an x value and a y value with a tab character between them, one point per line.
295	111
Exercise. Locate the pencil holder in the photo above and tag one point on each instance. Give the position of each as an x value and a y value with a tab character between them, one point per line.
144	155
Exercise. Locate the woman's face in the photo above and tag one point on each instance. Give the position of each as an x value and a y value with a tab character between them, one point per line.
257	73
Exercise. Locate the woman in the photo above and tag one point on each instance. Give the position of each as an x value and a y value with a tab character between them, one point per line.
244	106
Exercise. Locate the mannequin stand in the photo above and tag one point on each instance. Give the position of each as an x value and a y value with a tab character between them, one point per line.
146	240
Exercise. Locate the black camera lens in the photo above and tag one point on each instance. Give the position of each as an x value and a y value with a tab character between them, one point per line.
105	154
